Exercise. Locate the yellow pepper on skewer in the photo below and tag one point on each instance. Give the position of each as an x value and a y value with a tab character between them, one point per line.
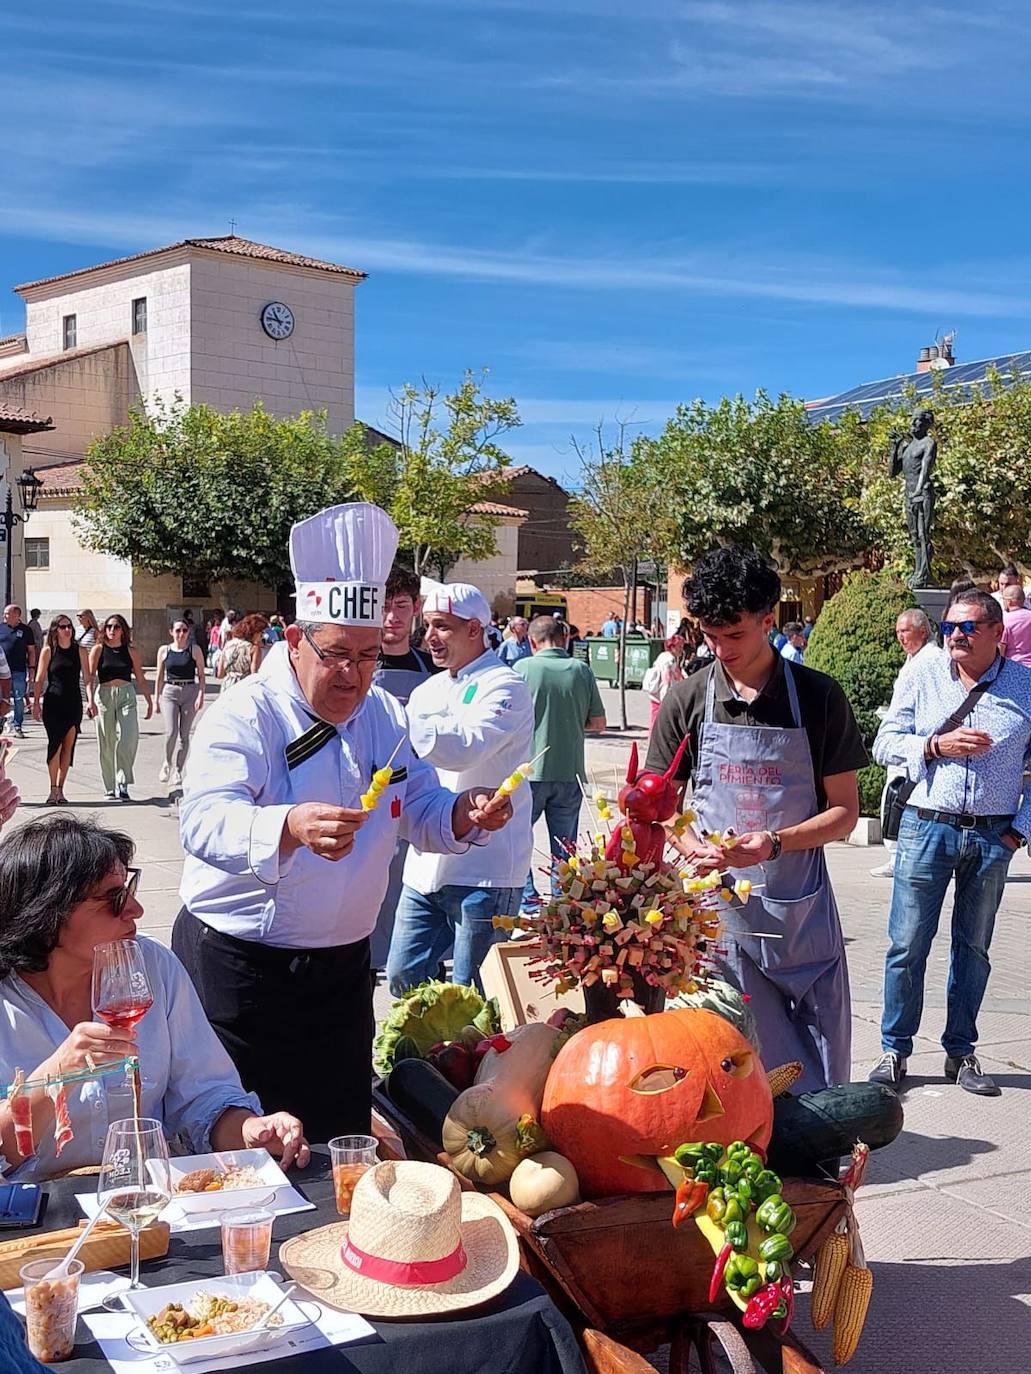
380	780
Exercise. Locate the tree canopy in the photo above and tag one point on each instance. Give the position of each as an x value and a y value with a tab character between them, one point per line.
188	489
445	457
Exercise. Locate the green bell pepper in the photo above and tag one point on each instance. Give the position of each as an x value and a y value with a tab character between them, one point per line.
690	1154
744	1193
733	1211
740	1268
775	1247
716	1205
736	1233
765	1184
775	1215
773	1271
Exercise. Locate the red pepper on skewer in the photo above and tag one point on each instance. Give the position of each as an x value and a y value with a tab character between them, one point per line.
716	1282
787	1291
761	1306
690	1196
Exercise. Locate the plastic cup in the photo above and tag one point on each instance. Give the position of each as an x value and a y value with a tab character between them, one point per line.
352	1155
51	1306
246	1239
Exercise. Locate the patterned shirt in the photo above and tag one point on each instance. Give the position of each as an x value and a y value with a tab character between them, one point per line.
987	785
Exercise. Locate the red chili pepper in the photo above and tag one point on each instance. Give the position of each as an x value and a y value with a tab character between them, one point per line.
690	1196
787	1293
762	1306
716	1282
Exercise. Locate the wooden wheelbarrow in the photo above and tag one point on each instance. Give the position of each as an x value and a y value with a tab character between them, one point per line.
630	1284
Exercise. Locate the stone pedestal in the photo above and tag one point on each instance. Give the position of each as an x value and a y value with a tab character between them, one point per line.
933	600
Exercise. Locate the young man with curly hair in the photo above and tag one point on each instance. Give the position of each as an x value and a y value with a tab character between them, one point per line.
773	750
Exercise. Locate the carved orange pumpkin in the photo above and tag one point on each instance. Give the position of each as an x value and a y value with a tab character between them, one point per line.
624	1092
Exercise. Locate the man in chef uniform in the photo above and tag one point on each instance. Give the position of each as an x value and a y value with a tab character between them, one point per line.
284	872
473	722
773	750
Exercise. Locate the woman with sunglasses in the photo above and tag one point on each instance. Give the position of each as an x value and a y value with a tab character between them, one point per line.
66	885
179	688
62	670
113	663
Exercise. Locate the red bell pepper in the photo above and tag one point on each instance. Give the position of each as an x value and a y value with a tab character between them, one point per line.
762	1306
716	1282
787	1292
690	1196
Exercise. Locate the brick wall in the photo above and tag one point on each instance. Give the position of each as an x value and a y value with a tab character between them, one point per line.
590	607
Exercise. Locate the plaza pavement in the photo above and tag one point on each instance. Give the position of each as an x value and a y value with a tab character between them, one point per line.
946	1211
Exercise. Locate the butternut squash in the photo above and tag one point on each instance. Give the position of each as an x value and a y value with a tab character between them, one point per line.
524	1066
482	1134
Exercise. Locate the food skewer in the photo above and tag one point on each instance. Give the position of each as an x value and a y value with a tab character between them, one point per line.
380	780
513	780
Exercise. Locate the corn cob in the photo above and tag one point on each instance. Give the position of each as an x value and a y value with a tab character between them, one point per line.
850	1311
781	1079
830	1265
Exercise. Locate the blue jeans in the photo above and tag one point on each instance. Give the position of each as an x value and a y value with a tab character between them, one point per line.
18	681
929	855
559	804
426	927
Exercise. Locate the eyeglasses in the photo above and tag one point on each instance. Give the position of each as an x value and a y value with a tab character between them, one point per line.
65	625
111	625
127	890
341	660
967	627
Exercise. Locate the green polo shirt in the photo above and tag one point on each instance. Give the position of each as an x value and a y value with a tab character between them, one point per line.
565	696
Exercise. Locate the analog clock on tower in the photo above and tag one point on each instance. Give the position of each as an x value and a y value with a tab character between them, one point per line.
277	320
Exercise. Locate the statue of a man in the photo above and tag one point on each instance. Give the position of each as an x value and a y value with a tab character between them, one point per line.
913	455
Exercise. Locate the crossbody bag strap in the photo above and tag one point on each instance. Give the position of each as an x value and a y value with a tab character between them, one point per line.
960	714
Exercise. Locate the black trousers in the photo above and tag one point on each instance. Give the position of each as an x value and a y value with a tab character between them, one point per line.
298	1024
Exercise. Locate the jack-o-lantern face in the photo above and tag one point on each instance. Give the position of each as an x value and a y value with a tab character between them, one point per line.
625	1092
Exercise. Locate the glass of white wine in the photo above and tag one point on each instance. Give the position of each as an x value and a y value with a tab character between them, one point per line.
135	1184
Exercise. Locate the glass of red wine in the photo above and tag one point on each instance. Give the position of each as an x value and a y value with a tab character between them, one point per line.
121	988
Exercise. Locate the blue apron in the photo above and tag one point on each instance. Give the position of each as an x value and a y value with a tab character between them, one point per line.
400	683
753	777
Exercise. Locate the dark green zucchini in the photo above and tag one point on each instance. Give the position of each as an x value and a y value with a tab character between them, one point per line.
813	1130
423	1094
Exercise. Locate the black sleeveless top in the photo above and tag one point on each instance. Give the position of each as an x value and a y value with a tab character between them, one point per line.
180	665
64	671
114	663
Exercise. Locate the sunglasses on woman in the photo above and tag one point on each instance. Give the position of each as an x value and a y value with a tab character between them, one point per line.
65	625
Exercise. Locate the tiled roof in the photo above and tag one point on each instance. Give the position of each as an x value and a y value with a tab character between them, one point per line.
60	479
227	243
495	508
12	338
16	420
54	359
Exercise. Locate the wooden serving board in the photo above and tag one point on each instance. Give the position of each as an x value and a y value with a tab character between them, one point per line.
107	1248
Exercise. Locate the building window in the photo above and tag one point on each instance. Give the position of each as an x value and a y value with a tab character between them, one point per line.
139	315
196	587
37	553
68	331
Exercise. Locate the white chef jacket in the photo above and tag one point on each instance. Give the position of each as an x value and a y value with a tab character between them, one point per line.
475	727
186	1076
239	786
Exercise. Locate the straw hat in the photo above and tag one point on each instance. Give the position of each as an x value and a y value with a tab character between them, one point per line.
415	1245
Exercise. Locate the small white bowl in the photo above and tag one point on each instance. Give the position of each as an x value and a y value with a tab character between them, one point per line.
226	1199
144	1303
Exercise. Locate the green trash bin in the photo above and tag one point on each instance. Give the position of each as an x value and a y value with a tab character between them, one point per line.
640	655
604	659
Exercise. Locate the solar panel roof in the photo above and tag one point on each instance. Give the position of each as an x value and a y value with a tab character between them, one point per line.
892	390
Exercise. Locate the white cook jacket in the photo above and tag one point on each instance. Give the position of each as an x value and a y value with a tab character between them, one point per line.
239	787
475	728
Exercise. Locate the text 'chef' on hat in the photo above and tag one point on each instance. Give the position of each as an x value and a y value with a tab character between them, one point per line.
460	599
415	1245
341	559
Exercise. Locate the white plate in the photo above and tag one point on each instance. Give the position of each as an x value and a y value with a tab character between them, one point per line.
226	1199
143	1303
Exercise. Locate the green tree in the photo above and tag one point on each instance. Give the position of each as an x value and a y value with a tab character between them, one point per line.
854	641
758	473
444	459
619	519
984	437
188	489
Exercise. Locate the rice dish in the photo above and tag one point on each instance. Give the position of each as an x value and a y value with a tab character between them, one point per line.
219	1180
208	1314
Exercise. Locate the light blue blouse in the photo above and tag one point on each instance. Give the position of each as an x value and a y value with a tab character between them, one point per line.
188	1079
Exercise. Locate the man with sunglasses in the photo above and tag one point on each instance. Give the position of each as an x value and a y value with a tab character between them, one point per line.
288	847
959	726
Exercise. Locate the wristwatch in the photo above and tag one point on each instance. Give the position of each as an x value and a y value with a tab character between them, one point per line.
775	844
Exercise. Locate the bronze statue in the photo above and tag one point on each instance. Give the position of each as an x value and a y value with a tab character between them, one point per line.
913	455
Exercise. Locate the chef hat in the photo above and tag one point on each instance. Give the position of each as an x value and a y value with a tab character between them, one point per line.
340	560
455	598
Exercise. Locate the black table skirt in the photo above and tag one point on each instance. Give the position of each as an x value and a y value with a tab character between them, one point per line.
521	1332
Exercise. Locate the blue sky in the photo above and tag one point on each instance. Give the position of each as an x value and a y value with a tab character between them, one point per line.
615	205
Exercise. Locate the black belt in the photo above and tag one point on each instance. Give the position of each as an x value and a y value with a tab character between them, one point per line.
960	820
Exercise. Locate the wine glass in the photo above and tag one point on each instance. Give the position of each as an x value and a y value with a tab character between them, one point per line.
135	1182
121	989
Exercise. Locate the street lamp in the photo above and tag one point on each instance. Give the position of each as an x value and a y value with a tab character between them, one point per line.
29	486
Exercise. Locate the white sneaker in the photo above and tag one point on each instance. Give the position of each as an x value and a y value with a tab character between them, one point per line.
176	780
163	775
884	871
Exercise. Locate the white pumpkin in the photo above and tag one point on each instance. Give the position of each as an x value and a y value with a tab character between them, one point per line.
524	1067
543	1182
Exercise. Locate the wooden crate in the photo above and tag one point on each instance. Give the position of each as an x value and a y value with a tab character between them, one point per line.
107	1248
